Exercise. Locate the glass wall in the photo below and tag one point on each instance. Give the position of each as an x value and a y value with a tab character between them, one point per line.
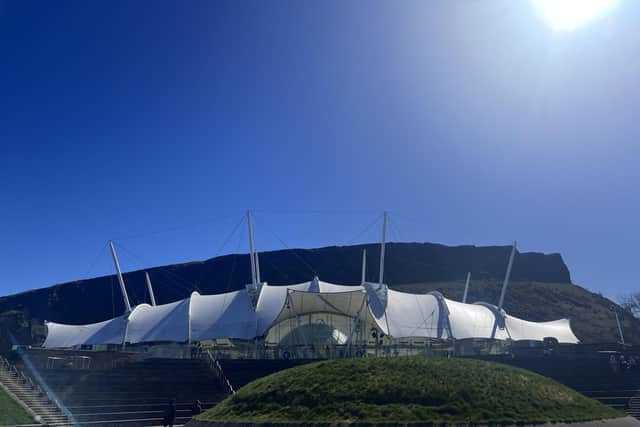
317	329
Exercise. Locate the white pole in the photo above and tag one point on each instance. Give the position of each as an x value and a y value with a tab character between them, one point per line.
151	295
258	269
382	245
466	288
251	251
364	267
506	277
619	325
127	306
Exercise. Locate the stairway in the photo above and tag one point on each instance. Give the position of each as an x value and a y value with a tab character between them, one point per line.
135	394
31	395
634	407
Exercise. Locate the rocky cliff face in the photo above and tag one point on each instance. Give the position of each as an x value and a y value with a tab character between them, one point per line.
97	299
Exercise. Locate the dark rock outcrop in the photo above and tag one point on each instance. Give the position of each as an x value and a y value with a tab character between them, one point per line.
99	298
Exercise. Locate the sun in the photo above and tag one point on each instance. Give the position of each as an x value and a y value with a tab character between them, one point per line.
568	15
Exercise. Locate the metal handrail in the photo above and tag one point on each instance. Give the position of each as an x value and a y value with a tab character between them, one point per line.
215	365
26	380
15	371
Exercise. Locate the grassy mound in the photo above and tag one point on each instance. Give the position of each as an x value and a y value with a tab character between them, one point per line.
11	413
406	390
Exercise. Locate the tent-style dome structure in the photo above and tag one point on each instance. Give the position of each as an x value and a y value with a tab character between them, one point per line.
277	314
233	315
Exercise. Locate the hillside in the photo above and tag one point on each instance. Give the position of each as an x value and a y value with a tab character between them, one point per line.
399	390
542	287
99	298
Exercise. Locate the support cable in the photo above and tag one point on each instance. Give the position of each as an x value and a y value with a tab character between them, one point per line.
425	319
233	269
191	225
395	232
313	212
95	259
113	301
186	284
174	279
179	281
364	230
293	251
229	237
275	267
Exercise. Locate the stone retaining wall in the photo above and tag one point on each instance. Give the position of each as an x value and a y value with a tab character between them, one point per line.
617	422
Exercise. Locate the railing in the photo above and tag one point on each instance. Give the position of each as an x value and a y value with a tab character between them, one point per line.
334	351
217	368
632	406
26	380
40	386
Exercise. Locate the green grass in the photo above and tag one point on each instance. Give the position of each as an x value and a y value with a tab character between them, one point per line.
11	413
407	390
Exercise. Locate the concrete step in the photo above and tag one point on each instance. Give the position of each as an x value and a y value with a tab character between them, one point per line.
14	384
53	420
160	391
38	403
124	400
133	396
79	392
95	409
52	416
32	399
626	399
180	394
13	387
631	391
135	382
138	393
141	422
23	390
43	409
56	420
109	416
49	414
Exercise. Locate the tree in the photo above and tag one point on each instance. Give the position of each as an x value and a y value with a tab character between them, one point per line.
631	303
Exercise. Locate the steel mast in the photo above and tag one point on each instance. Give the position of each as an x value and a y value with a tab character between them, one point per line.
507	276
151	295
254	280
382	247
125	297
466	288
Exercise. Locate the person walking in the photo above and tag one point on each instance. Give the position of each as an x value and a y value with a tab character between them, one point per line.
169	414
196	409
613	362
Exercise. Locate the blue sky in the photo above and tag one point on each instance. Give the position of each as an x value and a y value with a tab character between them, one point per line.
157	124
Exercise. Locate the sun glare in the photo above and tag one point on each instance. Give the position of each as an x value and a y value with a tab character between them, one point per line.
568	15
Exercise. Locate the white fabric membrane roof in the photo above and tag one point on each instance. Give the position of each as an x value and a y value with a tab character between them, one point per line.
232	315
